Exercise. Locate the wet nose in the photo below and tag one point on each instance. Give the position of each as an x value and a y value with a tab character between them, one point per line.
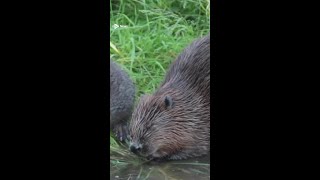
134	148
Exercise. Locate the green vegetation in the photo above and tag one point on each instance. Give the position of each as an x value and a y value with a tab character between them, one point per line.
145	37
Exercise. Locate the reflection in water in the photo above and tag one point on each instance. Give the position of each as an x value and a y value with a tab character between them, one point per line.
197	168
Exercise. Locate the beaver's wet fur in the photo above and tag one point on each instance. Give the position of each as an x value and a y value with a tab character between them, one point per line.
174	122
122	91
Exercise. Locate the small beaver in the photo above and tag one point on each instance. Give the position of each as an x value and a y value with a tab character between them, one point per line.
174	122
122	93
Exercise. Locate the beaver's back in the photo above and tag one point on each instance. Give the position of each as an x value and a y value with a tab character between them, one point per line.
191	70
122	93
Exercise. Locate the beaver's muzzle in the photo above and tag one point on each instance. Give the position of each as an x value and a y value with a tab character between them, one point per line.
135	148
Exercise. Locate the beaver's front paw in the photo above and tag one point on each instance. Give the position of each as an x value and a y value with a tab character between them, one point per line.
121	132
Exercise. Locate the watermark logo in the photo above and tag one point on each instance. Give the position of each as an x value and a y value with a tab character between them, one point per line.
115	26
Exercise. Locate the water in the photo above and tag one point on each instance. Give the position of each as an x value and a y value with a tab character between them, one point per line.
127	166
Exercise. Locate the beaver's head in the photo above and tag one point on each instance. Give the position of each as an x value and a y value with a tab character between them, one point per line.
156	130
159	127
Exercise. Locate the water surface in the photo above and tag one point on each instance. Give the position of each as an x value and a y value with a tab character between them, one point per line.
125	165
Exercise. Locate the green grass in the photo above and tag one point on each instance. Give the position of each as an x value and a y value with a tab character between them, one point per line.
150	35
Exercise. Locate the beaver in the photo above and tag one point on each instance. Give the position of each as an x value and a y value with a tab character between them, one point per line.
174	122
122	91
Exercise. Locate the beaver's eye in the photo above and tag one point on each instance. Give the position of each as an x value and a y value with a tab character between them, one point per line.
141	139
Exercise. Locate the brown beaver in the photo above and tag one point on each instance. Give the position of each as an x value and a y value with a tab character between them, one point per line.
122	93
174	122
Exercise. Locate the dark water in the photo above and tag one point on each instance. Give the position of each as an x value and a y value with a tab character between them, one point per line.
198	168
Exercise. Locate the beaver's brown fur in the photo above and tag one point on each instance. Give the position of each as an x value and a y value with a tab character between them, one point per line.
122	93
174	122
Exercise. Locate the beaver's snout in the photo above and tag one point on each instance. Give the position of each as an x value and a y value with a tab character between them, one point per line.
135	148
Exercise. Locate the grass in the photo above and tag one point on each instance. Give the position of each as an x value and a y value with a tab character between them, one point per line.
146	36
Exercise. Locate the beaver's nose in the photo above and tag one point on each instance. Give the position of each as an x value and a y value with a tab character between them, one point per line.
134	148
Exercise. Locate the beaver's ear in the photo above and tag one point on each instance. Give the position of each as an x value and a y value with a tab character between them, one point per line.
168	102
